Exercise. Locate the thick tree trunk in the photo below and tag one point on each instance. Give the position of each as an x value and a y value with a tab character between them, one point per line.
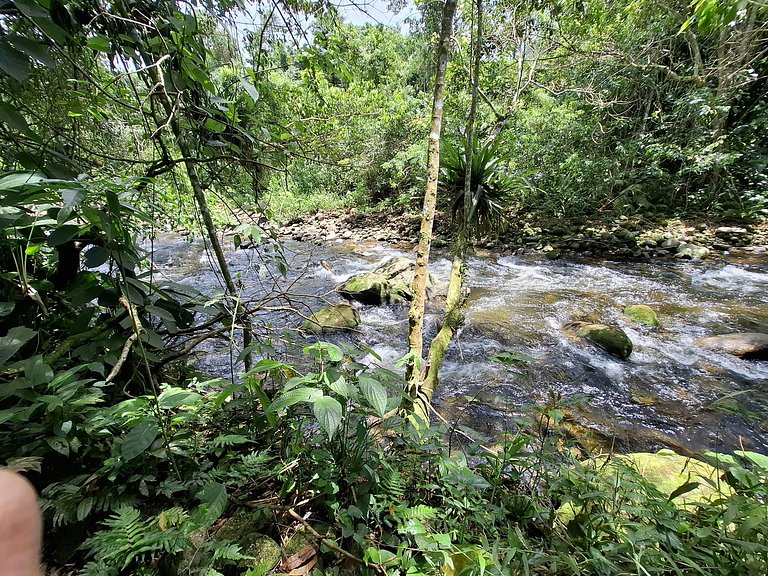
416	313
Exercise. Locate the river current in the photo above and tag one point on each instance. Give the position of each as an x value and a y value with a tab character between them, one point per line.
669	387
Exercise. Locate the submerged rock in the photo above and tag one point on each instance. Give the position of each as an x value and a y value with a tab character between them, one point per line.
388	283
334	318
642	314
747	345
610	338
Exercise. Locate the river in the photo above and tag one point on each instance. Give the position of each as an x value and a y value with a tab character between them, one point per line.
668	387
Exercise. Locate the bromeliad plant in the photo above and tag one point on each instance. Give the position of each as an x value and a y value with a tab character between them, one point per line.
491	186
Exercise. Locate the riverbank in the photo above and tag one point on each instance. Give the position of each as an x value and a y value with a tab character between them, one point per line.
624	238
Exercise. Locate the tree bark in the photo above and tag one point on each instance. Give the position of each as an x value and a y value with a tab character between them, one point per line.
454	318
416	313
199	194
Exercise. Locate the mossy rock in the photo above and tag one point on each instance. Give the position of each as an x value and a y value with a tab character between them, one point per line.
666	470
368	288
642	314
610	338
335	318
390	282
242	530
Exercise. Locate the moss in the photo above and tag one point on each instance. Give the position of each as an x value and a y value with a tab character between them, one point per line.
242	530
336	318
611	339
642	314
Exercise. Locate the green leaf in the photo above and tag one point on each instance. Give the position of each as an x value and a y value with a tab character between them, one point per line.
6	308
63	234
343	388
375	394
99	43
84	508
334	353
139	439
95	256
33	49
213	502
328	412
13	62
37	371
684	489
294	397
73	197
12	117
759	460
20	179
250	89
13	341
175	397
511	358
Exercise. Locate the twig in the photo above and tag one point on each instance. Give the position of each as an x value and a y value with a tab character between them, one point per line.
332	544
123	357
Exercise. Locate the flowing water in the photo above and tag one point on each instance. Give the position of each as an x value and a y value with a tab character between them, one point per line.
668	388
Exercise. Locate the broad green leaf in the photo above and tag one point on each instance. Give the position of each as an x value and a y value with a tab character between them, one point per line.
512	358
6	308
375	394
267	365
759	460
213	502
139	439
84	508
250	89
13	341
20	179
334	353
99	43
73	197
8	414
13	62
684	489
95	256
33	49
59	445
328	412
63	234
12	117
175	397
37	371
343	388
294	397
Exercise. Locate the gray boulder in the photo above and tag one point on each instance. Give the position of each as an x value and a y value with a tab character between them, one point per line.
747	345
388	283
692	251
334	318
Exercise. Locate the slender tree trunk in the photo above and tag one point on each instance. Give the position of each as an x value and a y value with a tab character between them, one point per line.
416	313
454	318
202	204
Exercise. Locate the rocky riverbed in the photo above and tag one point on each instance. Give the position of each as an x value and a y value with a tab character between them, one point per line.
633	238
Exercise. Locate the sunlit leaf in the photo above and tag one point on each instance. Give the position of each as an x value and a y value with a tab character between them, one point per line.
328	412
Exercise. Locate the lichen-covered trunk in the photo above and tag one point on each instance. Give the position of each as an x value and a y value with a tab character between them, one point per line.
416	313
454	317
452	320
